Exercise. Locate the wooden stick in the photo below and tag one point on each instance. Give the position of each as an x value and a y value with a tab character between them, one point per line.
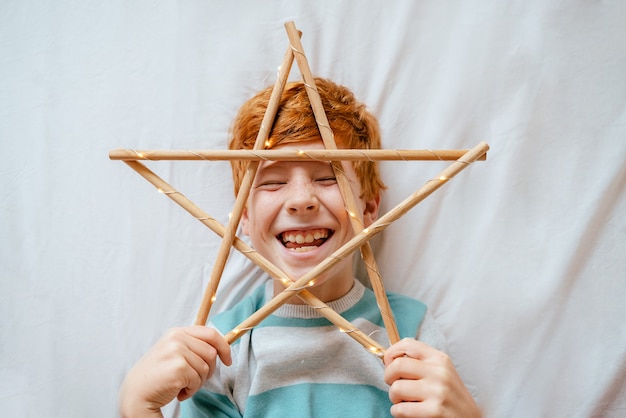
356	242
290	155
343	324
350	200
244	190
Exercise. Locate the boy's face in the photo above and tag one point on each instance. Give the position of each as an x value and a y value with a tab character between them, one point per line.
295	215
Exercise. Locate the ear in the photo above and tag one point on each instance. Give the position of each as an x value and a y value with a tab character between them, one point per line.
370	212
244	222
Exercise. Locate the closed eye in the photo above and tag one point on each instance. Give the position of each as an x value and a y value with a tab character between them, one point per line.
270	184
330	180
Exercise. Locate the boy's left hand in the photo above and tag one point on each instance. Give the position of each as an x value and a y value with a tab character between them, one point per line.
424	383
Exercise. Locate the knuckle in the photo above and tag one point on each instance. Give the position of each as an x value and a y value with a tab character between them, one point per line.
396	389
400	410
173	337
173	346
211	351
179	365
437	409
446	376
443	358
393	397
173	333
205	370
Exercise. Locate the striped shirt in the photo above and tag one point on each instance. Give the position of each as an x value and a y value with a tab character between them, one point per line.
298	364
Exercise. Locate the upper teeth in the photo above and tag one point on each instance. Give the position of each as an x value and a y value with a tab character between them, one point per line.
304	238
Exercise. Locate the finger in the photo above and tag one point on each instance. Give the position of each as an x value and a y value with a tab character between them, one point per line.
408	347
408	391
407	368
203	349
195	374
418	409
201	357
418	350
188	358
198	373
214	339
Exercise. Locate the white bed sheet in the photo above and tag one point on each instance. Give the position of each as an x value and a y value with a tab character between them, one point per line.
521	258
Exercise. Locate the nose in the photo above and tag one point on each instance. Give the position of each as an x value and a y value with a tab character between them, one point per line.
302	200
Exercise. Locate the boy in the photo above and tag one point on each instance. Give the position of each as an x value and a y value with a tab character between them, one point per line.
295	363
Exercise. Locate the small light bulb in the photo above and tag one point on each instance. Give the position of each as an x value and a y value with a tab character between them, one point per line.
140	155
443	178
311	283
213	298
366	230
376	352
159	190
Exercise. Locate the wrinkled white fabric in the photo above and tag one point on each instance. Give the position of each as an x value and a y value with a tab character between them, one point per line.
521	258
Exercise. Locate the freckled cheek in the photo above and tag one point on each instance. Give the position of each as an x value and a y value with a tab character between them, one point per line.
333	200
265	211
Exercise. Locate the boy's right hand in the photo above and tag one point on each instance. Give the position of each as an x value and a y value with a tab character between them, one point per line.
175	367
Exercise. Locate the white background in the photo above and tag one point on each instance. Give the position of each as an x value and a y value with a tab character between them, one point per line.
521	258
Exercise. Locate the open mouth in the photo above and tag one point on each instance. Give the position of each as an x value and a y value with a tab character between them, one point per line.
302	241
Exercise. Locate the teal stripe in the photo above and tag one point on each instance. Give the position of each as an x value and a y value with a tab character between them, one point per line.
279	321
206	404
320	400
227	320
409	314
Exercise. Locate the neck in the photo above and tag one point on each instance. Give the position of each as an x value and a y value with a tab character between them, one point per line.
329	290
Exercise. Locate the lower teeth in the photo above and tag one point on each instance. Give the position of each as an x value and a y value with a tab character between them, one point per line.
303	249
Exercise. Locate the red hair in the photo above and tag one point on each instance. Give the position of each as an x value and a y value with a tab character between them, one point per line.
352	124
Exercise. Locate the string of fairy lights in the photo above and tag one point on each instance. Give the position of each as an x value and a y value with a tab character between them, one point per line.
300	287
